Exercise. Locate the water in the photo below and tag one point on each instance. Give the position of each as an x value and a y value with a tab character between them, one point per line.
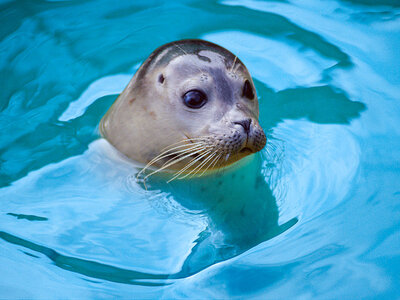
314	215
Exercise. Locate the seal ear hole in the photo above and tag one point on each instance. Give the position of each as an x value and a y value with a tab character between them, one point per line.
248	90
161	78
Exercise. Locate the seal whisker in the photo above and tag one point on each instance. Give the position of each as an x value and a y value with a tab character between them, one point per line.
233	65
183	141
173	162
174	156
212	163
199	140
166	165
200	165
180	48
209	160
206	166
201	151
218	159
237	67
168	153
184	153
183	169
193	172
193	161
164	151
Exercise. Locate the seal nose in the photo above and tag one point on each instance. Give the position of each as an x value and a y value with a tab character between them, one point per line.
245	124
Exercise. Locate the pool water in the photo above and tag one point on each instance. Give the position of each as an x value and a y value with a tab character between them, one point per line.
316	214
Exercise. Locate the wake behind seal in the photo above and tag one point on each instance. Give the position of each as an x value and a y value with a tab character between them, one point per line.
190	108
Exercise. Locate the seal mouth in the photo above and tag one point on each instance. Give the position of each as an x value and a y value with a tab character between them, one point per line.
246	150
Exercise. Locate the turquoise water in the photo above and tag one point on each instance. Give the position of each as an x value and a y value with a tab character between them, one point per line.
314	215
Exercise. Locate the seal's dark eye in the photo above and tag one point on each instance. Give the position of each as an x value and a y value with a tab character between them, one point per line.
194	99
248	90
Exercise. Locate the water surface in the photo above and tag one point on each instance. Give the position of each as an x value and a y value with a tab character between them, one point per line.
314	215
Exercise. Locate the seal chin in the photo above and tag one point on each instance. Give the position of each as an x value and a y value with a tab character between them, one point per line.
246	150
231	148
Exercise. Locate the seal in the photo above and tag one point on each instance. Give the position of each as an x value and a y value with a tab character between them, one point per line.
190	108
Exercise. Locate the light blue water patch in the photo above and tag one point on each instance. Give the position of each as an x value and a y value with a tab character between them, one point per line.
313	215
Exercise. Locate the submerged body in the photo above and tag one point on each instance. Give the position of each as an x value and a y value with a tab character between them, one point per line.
191	107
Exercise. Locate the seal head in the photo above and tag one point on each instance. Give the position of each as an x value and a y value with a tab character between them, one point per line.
191	107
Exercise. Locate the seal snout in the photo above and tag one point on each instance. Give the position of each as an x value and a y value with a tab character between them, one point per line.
246	127
245	124
254	138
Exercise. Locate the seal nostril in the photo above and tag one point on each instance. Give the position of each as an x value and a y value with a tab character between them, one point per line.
245	124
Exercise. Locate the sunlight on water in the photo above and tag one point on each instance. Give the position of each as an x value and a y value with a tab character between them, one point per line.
313	215
106	86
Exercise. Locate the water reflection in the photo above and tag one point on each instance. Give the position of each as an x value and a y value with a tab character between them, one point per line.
240	208
321	104
234	208
88	268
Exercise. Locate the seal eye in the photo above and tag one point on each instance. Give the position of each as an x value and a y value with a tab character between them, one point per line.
194	99
161	78
248	90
